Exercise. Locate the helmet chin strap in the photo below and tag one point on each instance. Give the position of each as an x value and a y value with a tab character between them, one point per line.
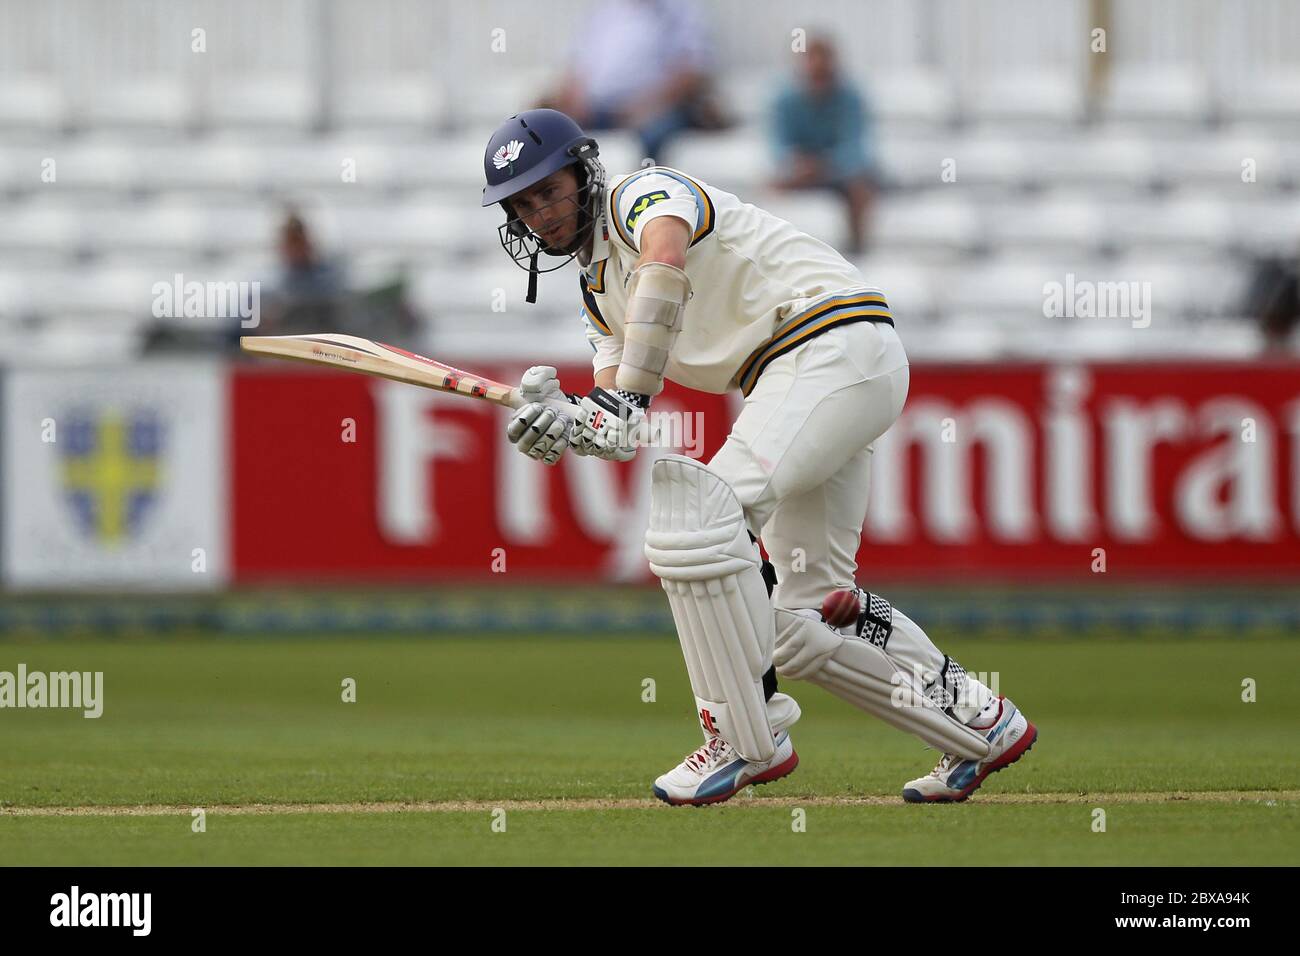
586	230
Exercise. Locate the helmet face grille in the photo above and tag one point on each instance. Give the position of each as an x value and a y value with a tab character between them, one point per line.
522	245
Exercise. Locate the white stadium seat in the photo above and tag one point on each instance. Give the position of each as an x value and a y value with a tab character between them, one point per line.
31	105
736	161
1039	96
92	165
959	337
1000	288
493	99
910	289
407	102
442	291
149	228
83	340
1219	163
911	163
453	163
206	165
406	227
983	162
281	105
620	152
20	168
469	296
1175	287
747	95
161	105
1120	162
937	224
974	161
15	294
1267	226
1066	223
37	229
1271	95
1185	288
231	230
90	290
1180	221
437	228
910	98
342	164
1146	93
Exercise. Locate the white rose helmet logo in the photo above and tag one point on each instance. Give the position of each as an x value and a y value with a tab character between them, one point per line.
507	154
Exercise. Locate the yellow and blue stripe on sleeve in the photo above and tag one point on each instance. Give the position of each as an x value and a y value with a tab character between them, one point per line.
705	214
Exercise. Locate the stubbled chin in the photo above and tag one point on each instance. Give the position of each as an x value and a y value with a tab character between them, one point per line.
567	248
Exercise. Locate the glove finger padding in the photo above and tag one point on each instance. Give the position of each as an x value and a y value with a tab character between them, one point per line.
539	432
551	445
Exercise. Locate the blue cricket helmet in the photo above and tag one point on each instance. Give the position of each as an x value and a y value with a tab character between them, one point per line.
527	148
523	151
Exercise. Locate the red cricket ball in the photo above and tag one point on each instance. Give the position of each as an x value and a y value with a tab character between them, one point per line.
840	608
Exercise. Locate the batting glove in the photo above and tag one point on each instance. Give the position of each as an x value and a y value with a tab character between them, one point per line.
539	429
609	424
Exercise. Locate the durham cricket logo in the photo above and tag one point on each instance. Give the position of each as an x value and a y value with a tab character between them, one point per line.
110	471
507	154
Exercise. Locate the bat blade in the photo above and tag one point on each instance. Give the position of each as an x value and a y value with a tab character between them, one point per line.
356	354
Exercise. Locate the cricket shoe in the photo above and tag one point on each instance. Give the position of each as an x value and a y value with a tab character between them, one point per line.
716	772
955	778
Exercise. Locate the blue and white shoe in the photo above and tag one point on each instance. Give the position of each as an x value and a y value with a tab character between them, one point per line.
716	772
955	778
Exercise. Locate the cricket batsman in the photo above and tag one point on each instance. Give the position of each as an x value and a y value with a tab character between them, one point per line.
683	281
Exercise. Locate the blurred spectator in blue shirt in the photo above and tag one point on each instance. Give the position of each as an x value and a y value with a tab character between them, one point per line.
641	65
820	129
312	292
308	292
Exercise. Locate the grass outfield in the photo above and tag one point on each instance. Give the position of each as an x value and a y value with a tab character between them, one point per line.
555	734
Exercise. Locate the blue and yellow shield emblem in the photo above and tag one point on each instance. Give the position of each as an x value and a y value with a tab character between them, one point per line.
110	470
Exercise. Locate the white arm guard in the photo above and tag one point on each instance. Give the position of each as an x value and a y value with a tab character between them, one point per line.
656	302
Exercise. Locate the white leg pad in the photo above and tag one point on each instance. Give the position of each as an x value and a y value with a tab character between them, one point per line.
698	544
862	674
849	674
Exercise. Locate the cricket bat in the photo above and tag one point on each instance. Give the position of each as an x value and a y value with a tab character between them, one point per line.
355	354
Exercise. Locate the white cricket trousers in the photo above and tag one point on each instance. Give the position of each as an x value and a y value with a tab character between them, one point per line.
799	455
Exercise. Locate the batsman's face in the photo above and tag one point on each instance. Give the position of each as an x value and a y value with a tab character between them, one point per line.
550	209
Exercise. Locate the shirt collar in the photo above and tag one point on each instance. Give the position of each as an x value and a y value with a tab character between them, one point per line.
599	242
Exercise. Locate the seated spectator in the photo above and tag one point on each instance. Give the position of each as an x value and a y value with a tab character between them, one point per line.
307	292
641	65
820	132
1273	299
311	293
